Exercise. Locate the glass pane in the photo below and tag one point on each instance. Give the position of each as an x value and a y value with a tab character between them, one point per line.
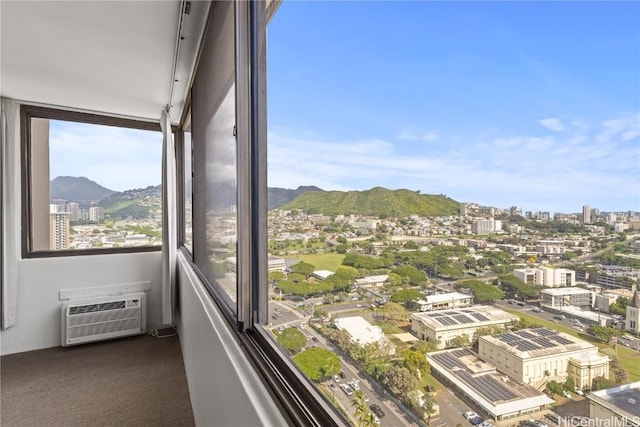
188	190
213	120
433	166
94	186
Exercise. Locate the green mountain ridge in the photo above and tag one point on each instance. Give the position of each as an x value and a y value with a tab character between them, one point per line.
377	201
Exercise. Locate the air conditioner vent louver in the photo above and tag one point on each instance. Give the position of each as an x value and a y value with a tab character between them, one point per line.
96	307
104	318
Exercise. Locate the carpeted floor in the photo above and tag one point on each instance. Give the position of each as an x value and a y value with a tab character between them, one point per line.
136	381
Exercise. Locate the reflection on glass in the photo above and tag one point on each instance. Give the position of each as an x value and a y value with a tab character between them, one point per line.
221	173
188	191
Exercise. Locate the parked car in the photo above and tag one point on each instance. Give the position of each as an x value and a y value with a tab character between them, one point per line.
336	378
578	391
347	390
476	421
469	415
554	418
377	410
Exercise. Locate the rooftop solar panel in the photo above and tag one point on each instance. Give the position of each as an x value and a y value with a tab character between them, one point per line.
526	334
544	332
562	340
480	316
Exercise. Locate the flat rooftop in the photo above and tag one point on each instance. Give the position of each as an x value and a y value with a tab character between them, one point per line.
538	342
566	291
451	296
360	329
625	398
478	315
482	381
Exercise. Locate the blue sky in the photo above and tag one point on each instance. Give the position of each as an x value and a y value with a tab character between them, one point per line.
117	158
533	104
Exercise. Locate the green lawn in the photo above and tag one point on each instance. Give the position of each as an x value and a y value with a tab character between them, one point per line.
322	261
630	361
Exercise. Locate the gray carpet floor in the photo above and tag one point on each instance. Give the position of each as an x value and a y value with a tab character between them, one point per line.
135	381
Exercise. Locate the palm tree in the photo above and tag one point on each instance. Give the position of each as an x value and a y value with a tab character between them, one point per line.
361	408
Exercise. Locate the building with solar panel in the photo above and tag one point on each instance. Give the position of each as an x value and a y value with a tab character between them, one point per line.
536	356
482	386
443	326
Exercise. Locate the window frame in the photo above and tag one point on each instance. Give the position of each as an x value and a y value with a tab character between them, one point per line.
28	112
300	401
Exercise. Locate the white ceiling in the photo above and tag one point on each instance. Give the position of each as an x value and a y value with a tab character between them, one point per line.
113	57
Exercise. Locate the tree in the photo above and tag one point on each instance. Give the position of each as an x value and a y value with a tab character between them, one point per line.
570	384
275	276
393	311
405	295
399	380
460	341
362	409
303	268
292	339
554	388
415	361
482	292
415	276
429	406
621	375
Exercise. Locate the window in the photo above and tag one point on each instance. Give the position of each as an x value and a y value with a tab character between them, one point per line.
92	183
187	187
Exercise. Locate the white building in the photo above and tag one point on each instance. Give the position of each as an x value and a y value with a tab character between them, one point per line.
486	226
441	302
443	326
618	406
322	274
473	379
563	297
96	213
276	263
536	356
632	322
362	332
546	276
372	281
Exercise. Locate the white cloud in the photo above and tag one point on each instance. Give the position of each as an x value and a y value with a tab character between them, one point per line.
569	168
553	124
429	136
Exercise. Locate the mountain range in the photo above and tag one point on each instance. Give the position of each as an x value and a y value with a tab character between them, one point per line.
378	201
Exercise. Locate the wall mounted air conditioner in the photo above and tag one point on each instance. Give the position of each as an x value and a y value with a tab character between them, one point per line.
103	318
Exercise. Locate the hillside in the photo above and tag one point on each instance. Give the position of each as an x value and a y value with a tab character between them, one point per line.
280	196
77	189
375	202
138	203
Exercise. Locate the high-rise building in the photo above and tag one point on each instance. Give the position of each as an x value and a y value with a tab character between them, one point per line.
486	226
586	214
59	230
74	209
96	213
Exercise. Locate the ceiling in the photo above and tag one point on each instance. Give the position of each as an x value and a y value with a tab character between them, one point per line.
113	57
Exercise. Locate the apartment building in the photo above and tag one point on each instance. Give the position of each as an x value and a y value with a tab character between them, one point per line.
546	276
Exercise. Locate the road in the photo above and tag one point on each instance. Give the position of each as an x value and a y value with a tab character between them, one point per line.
283	316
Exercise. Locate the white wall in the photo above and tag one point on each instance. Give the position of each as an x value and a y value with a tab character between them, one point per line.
40	280
224	388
